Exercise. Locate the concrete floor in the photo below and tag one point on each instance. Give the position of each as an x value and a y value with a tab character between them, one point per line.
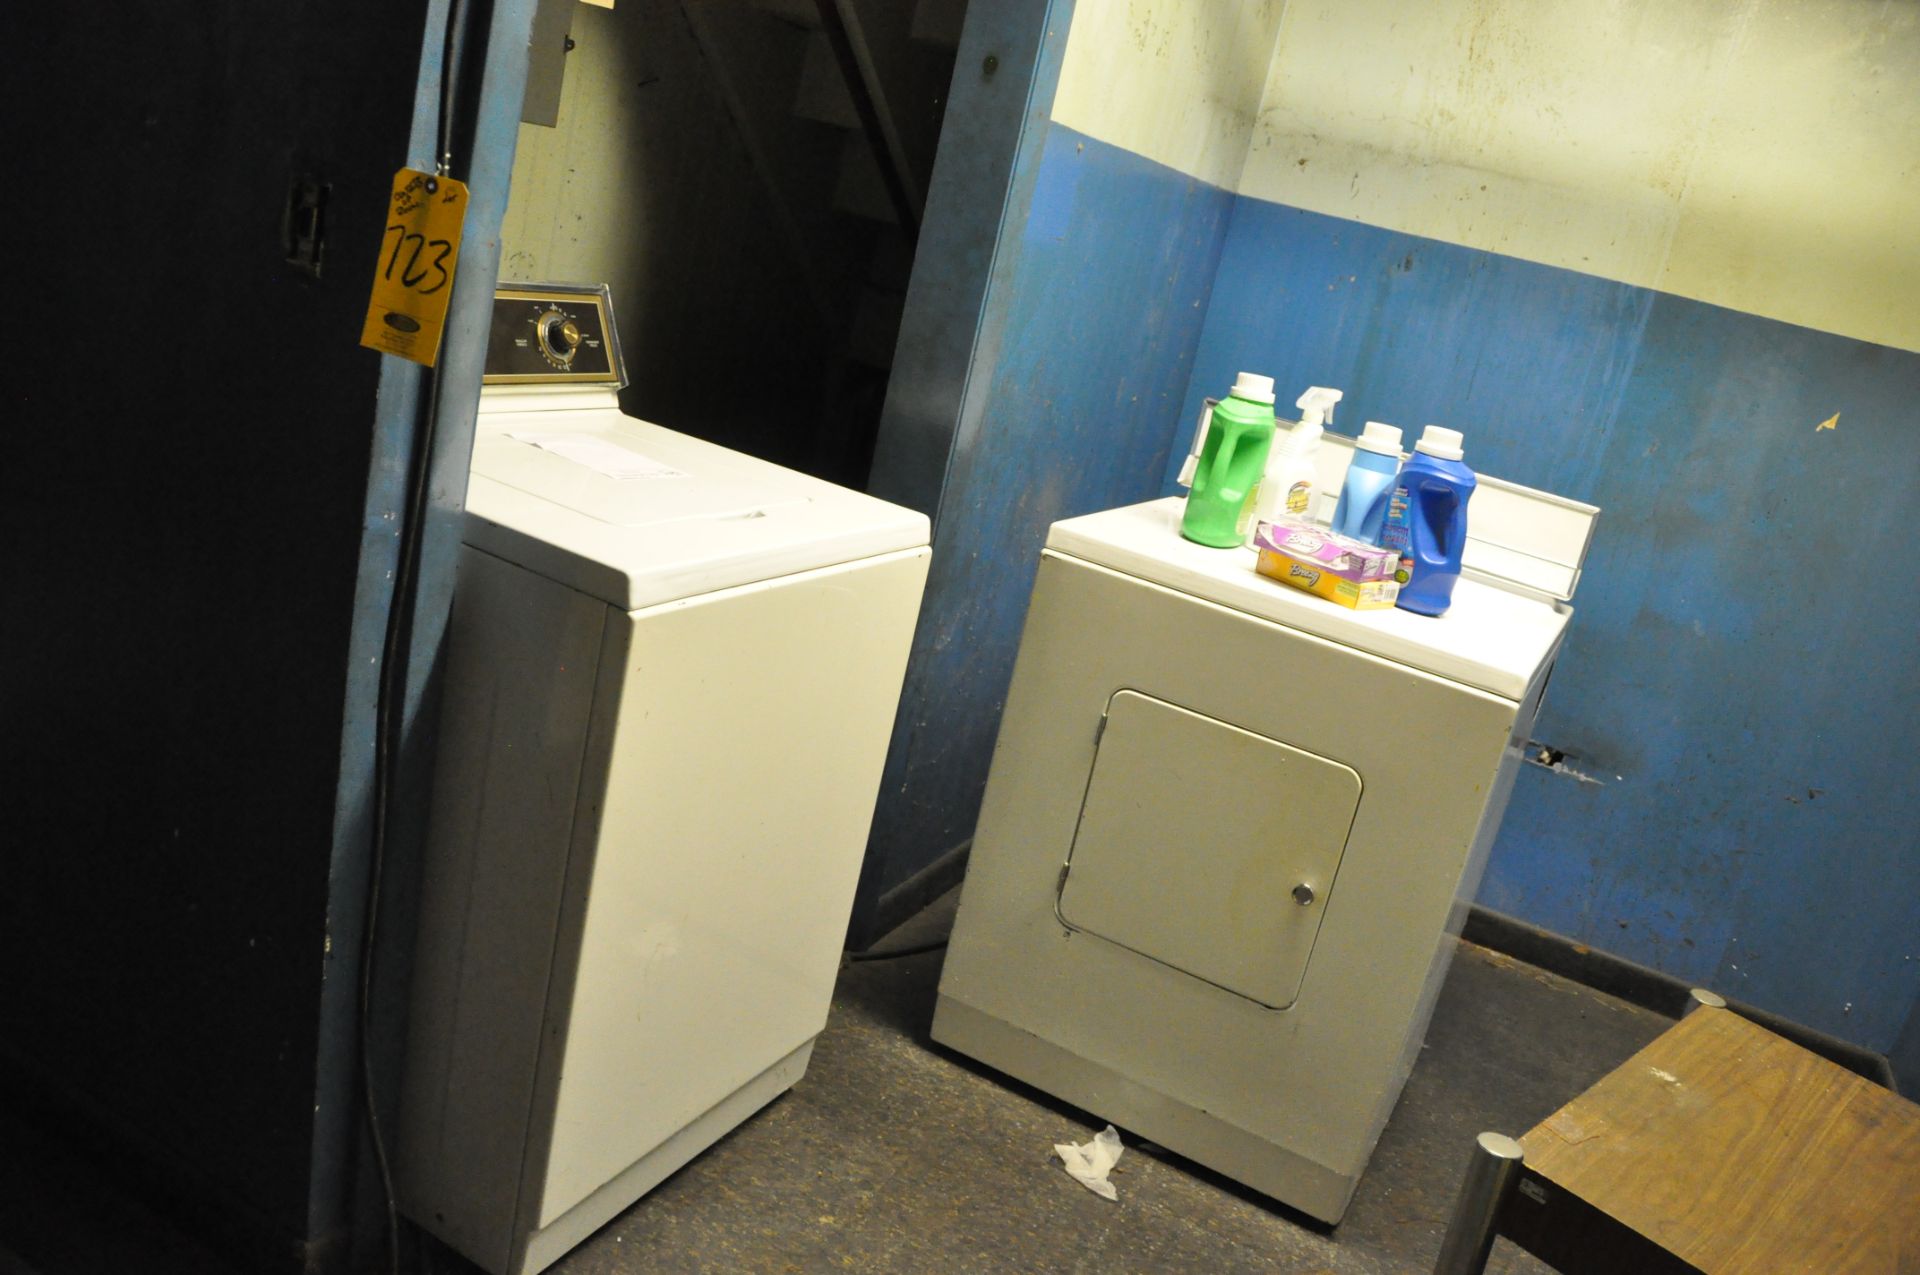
894	1155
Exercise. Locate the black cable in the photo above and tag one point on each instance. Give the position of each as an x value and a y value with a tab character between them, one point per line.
449	82
388	715
388	733
918	949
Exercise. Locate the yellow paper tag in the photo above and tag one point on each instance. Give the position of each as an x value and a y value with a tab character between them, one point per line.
413	280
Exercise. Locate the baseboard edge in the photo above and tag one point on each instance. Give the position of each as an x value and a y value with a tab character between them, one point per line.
910	897
1650	988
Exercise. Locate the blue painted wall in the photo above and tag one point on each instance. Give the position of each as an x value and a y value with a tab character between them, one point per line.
1088	335
1905	1055
1743	664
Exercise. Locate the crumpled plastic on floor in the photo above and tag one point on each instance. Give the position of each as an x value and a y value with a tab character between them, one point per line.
1090	1162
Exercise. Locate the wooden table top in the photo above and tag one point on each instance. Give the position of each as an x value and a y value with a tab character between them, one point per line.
1742	1153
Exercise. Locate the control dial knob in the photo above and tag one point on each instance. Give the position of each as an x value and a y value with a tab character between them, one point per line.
559	337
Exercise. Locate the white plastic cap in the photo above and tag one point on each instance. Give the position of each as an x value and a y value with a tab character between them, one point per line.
1380	437
1316	405
1441	442
1253	387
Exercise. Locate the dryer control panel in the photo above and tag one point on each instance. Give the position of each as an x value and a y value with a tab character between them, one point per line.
553	333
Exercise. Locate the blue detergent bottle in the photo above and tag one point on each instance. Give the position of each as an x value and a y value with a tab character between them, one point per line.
1370	481
1427	521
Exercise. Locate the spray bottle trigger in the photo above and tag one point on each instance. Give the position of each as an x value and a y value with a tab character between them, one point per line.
1316	405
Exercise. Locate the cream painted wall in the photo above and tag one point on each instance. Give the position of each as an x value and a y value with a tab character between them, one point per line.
1178	81
570	182
1758	154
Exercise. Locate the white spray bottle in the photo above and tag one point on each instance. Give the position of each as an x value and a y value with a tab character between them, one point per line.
1287	487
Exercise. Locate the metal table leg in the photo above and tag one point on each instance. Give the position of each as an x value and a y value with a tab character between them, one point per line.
1491	1176
1701	998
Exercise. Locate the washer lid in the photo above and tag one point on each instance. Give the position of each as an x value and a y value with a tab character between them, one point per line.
638	514
1489	638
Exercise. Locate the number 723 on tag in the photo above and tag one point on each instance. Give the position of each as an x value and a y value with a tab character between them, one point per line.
413	279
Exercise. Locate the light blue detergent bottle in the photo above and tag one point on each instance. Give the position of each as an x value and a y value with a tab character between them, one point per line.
1427	521
1370	482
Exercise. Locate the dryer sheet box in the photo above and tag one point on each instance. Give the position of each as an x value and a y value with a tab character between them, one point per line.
1322	562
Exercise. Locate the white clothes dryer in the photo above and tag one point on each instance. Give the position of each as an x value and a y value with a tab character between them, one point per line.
1230	828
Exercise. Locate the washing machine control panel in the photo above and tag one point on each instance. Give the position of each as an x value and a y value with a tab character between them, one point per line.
553	334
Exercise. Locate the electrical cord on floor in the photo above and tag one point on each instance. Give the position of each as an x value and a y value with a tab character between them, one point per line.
894	954
389	715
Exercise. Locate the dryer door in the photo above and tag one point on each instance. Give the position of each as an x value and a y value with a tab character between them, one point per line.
1207	847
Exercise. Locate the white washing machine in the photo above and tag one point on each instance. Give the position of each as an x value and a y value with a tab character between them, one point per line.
671	676
1230	827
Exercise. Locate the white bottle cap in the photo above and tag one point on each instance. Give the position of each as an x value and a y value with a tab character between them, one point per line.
1437	441
1380	437
1253	387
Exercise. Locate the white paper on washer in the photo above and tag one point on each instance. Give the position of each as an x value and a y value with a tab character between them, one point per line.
600	454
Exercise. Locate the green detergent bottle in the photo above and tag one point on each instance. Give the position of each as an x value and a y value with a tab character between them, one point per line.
1231	462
